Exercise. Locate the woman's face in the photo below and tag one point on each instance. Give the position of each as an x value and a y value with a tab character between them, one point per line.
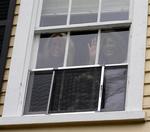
57	46
109	47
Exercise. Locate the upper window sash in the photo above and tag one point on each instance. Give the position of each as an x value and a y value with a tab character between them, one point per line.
101	10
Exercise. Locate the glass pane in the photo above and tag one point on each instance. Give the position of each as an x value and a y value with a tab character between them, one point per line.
114	89
51	50
114	46
54	12
82	48
38	92
75	90
115	10
84	11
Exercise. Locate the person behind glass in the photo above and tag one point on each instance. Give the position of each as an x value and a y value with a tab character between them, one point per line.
112	50
56	52
51	51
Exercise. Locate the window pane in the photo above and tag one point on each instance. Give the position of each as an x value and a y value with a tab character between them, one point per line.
38	92
114	89
115	10
51	50
54	12
84	11
82	48
114	46
75	90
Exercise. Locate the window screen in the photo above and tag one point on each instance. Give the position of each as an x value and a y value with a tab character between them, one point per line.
38	92
114	89
76	90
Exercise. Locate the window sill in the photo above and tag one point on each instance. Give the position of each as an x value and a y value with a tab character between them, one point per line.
73	117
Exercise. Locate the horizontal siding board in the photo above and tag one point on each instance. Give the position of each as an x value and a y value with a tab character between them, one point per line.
17	9
6	75
148	54
18	2
8	63
147	90
12	39
148	41
147	77
146	102
147	66
4	86
10	50
13	31
1	109
15	20
2	97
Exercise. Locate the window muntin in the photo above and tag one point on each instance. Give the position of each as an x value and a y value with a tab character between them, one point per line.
73	40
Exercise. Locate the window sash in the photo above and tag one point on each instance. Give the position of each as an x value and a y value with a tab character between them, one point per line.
101	85
99	12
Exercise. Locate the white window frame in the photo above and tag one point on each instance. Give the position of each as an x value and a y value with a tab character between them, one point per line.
15	94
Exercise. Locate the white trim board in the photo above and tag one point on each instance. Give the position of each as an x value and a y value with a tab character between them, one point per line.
74	117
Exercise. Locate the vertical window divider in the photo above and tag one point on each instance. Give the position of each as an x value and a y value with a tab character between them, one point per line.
66	49
131	7
35	51
39	12
98	47
101	88
69	12
50	92
99	11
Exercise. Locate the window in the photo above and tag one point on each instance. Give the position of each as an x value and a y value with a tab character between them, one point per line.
6	18
78	56
67	87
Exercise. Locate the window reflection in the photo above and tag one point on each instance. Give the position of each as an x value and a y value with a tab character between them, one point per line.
51	50
113	46
84	11
82	48
115	10
54	12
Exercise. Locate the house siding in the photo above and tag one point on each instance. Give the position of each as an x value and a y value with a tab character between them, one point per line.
98	127
6	73
146	100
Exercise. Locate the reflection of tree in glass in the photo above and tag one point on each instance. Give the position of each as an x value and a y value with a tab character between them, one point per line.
113	47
